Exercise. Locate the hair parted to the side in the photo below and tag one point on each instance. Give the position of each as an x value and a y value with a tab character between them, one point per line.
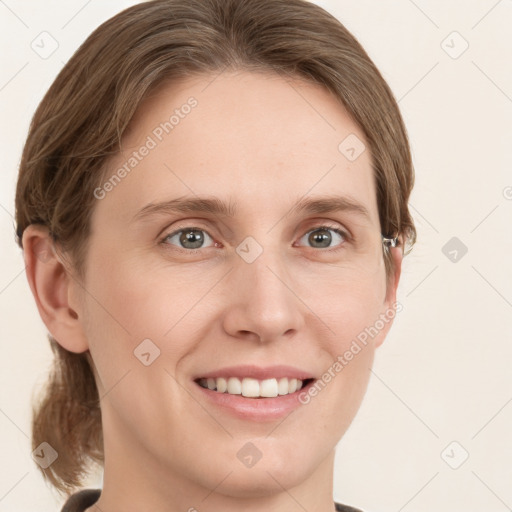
83	116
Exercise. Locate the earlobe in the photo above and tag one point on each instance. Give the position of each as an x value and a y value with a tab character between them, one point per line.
392	283
50	281
391	288
397	255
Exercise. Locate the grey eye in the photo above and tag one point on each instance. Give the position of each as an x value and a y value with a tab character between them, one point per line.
189	238
322	237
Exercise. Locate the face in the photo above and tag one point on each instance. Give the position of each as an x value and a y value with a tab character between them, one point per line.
241	249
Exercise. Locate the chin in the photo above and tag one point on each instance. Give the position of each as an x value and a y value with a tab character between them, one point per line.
260	482
278	467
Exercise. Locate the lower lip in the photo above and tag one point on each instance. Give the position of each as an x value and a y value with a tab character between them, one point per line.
255	409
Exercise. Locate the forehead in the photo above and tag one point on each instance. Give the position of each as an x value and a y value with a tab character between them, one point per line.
263	139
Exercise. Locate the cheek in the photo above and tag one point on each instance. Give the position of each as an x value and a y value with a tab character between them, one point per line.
350	308
347	303
139	298
128	313
132	308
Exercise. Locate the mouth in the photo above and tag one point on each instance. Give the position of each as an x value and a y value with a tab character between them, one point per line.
249	387
252	392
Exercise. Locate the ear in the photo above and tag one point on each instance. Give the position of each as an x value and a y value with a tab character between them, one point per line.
397	255
51	283
392	284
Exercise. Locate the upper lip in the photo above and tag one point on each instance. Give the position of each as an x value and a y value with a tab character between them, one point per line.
258	372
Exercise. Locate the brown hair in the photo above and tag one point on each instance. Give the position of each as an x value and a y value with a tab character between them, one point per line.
82	118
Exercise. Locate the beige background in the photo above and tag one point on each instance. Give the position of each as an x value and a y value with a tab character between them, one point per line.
443	374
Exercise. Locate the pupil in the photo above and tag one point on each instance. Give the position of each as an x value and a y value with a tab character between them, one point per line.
192	239
322	236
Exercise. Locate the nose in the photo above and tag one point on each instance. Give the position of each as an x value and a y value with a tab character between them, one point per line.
263	304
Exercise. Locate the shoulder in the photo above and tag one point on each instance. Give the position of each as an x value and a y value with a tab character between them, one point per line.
345	508
81	500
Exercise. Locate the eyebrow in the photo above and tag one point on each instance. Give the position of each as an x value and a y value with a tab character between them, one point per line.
215	206
212	205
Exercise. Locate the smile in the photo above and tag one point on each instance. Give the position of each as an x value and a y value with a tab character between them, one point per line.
252	392
253	388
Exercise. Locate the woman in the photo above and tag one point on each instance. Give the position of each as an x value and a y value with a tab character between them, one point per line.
212	204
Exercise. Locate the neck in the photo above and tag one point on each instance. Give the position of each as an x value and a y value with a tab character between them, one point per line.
134	481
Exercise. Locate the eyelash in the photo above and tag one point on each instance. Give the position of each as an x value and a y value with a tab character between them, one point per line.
344	234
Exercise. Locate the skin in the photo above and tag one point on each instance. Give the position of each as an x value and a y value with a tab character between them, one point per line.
264	142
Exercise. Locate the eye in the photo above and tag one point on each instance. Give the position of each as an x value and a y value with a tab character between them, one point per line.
191	238
188	238
322	237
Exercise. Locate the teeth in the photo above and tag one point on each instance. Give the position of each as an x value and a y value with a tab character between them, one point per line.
268	388
283	387
222	385
234	386
252	388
